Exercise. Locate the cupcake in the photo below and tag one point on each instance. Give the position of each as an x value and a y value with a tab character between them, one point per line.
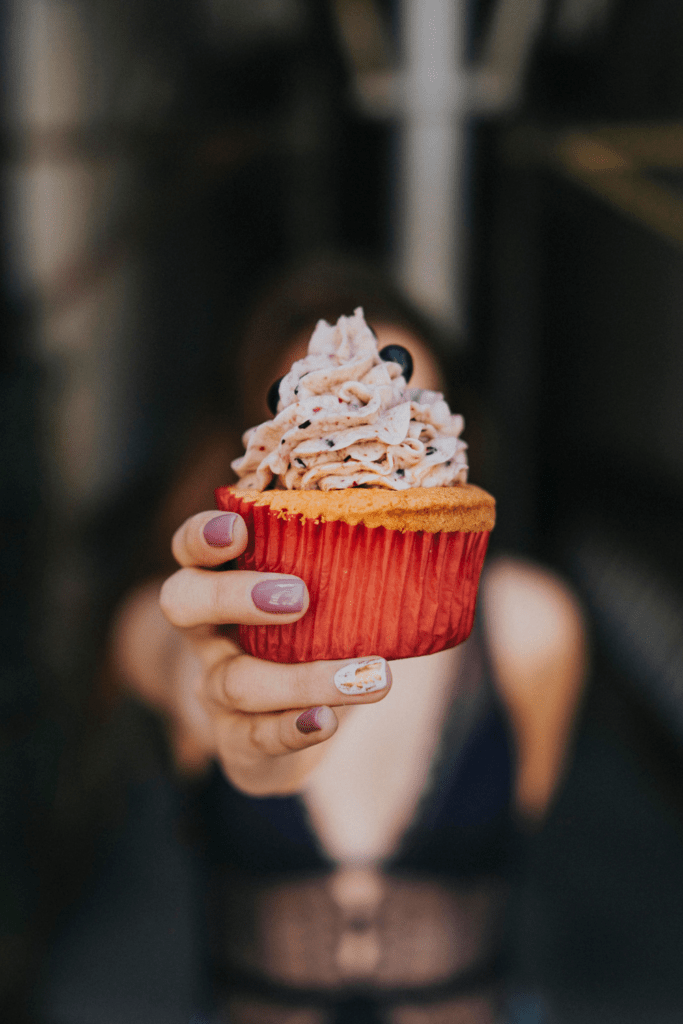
358	485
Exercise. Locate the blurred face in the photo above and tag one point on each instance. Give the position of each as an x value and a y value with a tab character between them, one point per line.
426	372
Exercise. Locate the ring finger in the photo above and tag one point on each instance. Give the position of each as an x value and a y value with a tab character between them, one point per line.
254	687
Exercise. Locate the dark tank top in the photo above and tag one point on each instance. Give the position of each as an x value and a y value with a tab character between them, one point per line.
297	939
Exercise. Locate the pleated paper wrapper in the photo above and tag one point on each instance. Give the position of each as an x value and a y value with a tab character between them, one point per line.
372	590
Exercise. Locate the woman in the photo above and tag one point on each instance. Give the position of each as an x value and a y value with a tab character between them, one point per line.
356	855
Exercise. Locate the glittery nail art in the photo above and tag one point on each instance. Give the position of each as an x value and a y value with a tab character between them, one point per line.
364	676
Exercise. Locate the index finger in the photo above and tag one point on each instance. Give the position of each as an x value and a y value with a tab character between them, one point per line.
209	539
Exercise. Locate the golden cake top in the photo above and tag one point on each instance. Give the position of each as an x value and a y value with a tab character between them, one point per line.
462	507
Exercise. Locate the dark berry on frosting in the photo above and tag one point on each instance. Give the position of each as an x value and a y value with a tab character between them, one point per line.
400	472
273	396
398	354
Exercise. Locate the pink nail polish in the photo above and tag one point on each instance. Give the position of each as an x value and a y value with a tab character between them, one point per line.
282	596
309	721
218	531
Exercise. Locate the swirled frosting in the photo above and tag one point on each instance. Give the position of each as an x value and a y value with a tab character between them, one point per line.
345	418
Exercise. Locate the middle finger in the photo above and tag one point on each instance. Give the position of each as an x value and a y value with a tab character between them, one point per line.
194	597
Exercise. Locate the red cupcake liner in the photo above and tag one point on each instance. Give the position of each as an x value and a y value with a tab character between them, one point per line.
372	590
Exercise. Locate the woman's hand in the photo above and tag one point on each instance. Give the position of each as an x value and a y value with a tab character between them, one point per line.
264	722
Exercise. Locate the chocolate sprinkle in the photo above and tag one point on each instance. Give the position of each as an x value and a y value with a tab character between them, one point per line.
329	443
400	472
430	451
300	462
306	423
348	457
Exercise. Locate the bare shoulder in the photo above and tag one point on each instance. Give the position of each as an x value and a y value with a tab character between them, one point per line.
538	641
531	613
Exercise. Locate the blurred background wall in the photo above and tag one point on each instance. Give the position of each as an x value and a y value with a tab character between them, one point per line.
518	166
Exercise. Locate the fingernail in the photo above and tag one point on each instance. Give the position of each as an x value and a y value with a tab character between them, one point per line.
218	531
364	676
279	595
309	721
